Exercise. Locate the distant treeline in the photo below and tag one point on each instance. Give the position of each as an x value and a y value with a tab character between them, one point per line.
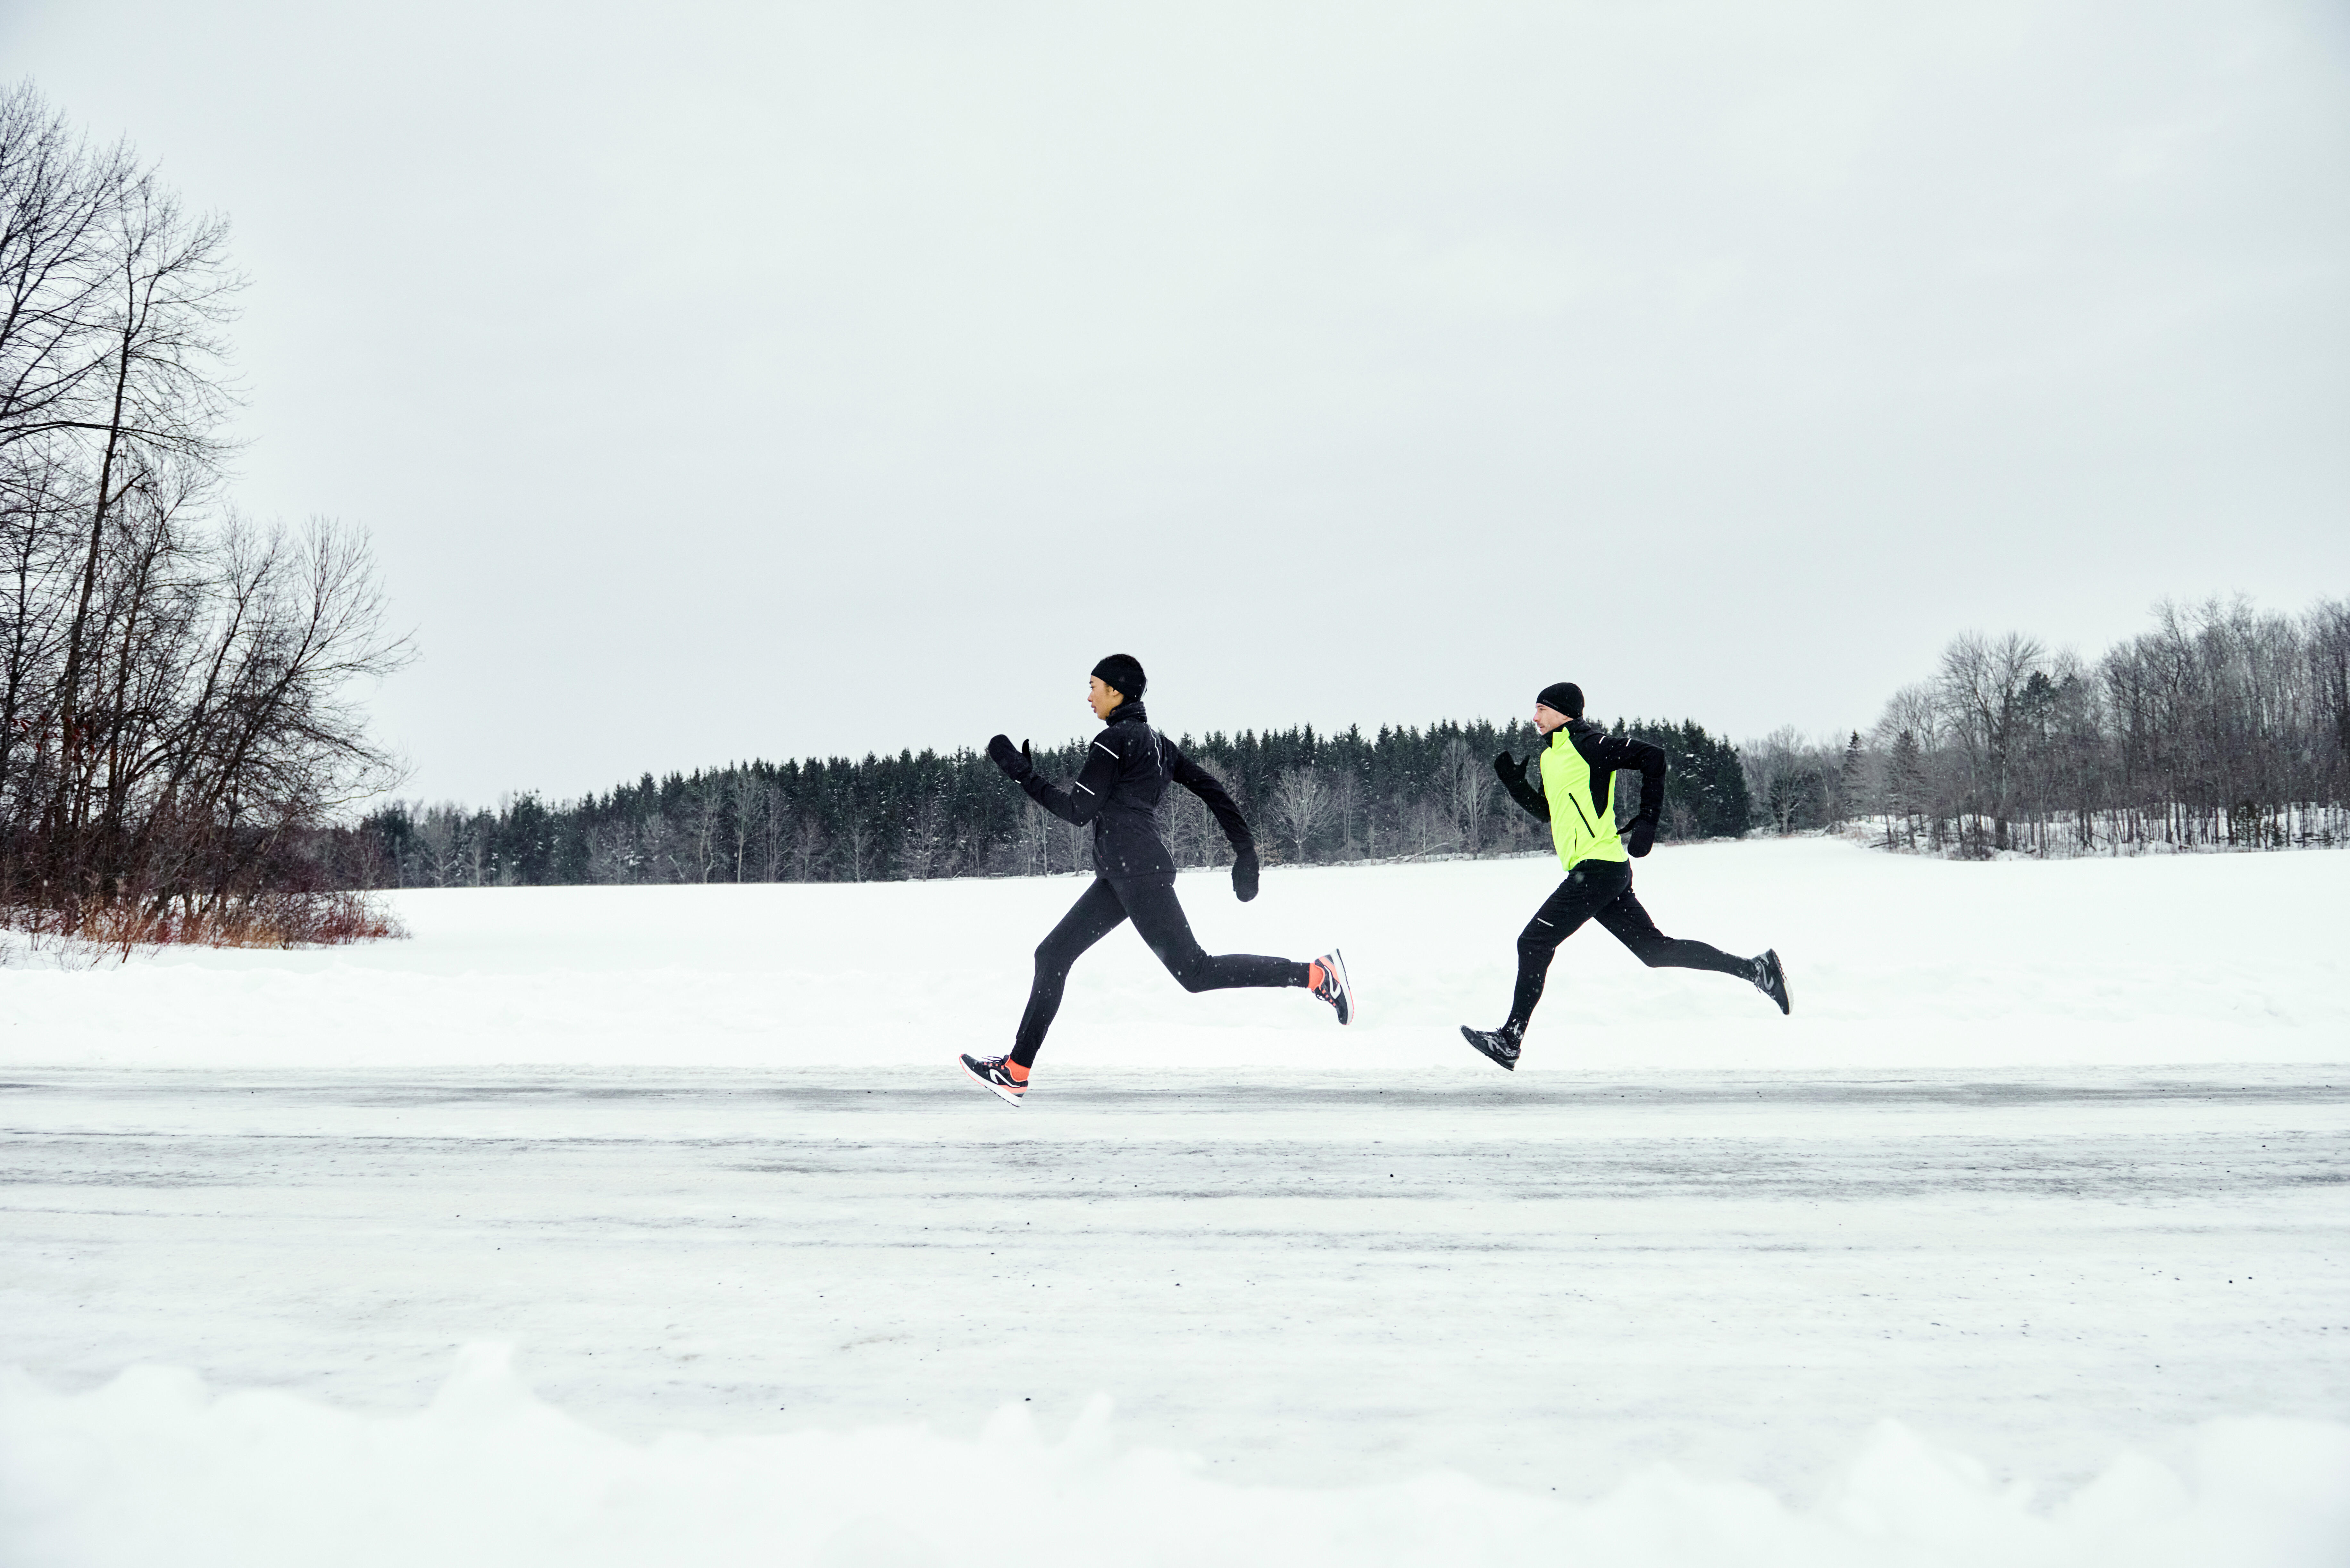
1312	799
2223	726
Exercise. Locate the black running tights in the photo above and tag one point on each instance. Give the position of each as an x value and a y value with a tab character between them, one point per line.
1602	890
1150	903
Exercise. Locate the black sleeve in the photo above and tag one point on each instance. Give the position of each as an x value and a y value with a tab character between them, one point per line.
1621	753
1525	794
1079	803
1209	788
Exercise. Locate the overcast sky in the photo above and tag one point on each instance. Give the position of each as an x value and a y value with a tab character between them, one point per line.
730	380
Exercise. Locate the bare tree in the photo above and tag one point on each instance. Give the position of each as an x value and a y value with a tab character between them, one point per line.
162	400
1982	693
1429	828
775	826
747	802
705	826
807	848
1302	802
59	203
857	841
925	849
2329	662
1467	784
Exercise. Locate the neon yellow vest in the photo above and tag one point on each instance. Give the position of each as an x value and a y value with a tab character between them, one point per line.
1579	832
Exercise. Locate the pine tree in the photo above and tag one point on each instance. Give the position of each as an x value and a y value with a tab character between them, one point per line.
1907	773
1852	779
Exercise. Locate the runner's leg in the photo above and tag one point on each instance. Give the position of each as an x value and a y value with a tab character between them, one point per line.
1159	916
1095	914
1588	888
1635	930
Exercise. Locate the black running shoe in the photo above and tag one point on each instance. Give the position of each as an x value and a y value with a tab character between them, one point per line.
1771	979
1500	1045
997	1074
1333	988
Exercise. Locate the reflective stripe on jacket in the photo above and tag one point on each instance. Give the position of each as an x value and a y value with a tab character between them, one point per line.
1127	767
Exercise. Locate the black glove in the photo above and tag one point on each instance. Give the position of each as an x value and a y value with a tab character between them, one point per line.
1640	837
1016	764
1244	876
1513	772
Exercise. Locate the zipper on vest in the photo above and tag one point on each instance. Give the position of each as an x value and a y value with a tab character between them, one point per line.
1587	826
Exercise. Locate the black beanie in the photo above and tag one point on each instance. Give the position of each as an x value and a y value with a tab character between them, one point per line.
1122	673
1563	696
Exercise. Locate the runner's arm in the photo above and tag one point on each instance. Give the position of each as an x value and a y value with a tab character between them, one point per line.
1524	781
1209	789
1624	752
1081	800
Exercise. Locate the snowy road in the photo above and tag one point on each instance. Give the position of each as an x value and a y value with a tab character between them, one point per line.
1304	1276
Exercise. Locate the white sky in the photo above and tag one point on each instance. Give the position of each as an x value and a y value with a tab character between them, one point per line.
728	380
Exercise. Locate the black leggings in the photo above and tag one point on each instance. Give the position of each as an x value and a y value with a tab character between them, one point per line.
1602	890
1150	902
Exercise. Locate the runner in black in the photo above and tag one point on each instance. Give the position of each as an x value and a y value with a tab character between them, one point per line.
1572	787
1128	768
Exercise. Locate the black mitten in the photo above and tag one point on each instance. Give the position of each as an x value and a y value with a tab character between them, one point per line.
1512	770
1244	876
1642	836
1016	764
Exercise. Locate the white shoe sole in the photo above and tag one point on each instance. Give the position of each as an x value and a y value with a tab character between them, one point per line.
1507	1063
1347	1012
998	1090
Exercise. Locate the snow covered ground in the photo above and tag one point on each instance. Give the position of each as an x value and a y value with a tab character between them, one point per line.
2026	1240
1896	962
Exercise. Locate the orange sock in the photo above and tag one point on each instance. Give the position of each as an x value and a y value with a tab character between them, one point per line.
1019	1074
1314	976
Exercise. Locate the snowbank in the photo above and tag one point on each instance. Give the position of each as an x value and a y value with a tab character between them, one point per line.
155	1468
1895	962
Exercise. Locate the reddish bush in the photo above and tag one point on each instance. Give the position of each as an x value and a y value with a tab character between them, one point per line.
262	920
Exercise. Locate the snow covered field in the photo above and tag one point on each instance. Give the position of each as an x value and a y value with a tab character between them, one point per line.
1895	963
2049	1170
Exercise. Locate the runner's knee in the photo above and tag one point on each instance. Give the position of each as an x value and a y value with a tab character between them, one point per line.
1190	970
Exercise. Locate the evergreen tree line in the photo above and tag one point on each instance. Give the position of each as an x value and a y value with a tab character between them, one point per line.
1311	798
2220	726
174	718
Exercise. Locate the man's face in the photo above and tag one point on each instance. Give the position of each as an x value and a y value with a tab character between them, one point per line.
1547	718
1100	698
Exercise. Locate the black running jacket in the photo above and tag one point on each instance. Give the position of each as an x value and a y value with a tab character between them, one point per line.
1128	768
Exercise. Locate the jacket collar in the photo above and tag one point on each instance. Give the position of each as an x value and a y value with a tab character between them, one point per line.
1574	732
1128	712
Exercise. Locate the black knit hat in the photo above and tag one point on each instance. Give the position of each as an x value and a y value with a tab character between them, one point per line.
1122	673
1562	697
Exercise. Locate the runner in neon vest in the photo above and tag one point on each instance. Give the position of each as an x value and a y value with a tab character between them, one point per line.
1574	789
